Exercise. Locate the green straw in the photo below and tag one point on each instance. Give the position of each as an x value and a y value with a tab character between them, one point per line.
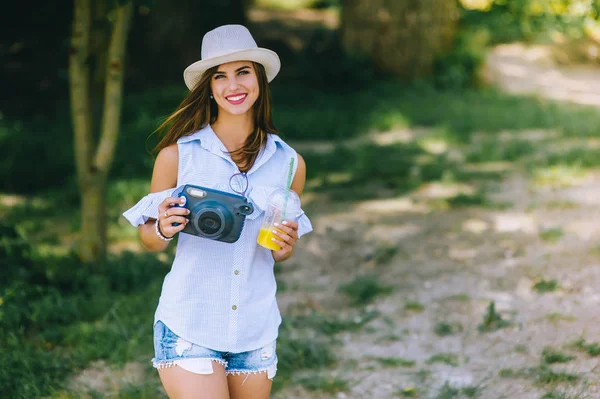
288	187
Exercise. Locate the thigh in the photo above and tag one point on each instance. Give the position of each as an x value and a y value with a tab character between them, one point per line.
249	386
183	384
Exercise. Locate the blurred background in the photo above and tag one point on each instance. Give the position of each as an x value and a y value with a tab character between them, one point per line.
453	153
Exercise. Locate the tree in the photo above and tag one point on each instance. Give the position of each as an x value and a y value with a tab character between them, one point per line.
402	37
95	138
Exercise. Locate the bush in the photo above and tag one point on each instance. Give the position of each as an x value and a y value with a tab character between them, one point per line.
324	63
460	68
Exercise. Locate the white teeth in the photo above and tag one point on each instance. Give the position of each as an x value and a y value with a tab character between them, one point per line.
236	98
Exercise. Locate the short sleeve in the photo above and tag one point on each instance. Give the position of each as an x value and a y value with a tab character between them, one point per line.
147	207
304	225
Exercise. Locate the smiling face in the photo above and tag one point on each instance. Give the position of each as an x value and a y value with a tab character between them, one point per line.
235	87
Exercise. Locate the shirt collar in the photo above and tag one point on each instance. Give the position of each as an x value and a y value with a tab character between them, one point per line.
210	142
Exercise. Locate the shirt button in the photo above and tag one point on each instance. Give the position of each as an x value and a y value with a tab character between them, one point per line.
236	272
234	307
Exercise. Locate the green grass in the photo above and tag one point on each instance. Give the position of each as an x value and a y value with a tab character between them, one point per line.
552	235
414	306
492	320
541	374
592	349
550	356
450	359
363	290
392	362
442	329
331	324
384	254
58	315
321	383
547	376
408	392
556	317
542	286
449	392
305	113
555	395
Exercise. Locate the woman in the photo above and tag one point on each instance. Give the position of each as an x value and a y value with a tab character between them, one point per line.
217	318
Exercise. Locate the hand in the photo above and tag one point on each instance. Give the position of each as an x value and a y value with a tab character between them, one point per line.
286	235
168	214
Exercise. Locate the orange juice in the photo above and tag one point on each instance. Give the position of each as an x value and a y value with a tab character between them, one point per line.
264	239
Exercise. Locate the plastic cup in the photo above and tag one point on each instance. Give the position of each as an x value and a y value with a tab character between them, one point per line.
283	205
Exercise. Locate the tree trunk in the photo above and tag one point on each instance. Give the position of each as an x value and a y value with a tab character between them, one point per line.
93	239
402	37
93	163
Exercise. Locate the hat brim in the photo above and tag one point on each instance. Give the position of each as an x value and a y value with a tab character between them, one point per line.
267	58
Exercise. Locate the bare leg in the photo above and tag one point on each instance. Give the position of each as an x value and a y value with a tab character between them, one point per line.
182	384
249	386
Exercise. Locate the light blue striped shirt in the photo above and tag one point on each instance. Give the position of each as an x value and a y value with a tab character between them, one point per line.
222	295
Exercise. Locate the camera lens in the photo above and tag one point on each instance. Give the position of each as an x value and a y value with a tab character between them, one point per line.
209	223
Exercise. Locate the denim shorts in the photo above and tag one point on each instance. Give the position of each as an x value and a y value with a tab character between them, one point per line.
171	350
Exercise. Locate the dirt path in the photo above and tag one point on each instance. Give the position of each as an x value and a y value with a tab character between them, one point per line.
521	69
538	261
454	264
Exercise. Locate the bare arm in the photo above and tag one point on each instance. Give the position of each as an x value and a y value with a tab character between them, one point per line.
299	177
164	176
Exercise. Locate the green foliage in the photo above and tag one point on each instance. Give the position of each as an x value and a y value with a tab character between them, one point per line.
308	113
492	321
324	63
449	392
443	329
364	289
450	359
552	234
592	349
390	362
545	375
330	324
414	306
460	67
384	254
299	354
555	395
56	315
550	356
408	392
327	384
543	286
510	20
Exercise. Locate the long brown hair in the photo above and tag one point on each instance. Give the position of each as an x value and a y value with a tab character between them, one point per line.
197	110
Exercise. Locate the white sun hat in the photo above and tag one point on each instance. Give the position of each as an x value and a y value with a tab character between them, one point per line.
229	43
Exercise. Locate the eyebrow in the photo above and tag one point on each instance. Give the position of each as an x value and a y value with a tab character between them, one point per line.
237	70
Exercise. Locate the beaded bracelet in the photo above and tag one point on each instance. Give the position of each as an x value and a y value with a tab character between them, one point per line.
159	234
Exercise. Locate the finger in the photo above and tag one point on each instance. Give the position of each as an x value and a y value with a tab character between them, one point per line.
167	213
284	245
174	219
289	231
285	237
175	211
291	224
171	201
170	230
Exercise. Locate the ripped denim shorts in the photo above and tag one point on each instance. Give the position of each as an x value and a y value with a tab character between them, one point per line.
171	350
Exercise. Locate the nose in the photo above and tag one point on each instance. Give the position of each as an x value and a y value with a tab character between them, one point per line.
233	83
